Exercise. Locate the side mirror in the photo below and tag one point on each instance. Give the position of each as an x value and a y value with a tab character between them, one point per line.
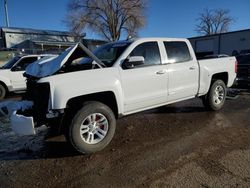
133	61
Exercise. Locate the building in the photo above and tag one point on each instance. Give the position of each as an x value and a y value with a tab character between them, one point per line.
230	43
40	41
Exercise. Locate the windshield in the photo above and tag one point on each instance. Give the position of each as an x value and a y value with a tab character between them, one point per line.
10	63
108	53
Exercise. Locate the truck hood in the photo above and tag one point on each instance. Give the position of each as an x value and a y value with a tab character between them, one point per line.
50	65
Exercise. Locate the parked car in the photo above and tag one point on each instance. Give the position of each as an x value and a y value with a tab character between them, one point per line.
83	100
243	73
11	74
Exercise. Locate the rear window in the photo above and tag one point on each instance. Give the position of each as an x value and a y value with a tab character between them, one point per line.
177	52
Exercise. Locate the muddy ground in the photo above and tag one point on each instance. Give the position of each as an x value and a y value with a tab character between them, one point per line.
180	145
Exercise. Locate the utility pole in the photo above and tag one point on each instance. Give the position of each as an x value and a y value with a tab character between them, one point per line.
6	13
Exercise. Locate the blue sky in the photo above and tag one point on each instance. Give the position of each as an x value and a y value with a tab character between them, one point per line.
165	18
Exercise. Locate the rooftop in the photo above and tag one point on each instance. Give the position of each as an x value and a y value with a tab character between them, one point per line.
36	31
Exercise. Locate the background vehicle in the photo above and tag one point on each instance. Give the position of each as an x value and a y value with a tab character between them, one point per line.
215	56
11	74
244	52
243	73
82	100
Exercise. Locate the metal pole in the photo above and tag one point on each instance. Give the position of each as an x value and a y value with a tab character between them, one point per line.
6	13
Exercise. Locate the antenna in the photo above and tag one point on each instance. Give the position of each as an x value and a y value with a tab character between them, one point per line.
6	13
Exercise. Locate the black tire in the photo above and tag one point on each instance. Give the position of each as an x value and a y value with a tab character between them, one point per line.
2	92
211	101
78	140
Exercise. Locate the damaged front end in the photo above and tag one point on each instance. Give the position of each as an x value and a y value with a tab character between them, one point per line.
39	94
32	111
39	111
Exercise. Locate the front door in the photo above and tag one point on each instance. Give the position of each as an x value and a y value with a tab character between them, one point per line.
144	85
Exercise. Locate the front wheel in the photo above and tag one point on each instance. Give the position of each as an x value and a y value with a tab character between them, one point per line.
92	128
216	96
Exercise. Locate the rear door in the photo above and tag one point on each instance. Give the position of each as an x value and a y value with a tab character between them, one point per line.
183	71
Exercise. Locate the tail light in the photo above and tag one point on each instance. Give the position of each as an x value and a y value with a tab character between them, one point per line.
236	67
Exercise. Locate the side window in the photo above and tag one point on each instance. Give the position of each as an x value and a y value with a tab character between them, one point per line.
150	52
177	52
24	62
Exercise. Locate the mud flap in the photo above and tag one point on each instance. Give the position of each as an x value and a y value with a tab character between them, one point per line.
22	125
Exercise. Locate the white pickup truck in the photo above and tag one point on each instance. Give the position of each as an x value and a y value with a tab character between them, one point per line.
84	97
11	74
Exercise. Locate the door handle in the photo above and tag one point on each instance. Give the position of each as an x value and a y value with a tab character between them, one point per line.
161	72
192	68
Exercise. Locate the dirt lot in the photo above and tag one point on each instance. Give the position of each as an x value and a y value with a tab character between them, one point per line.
180	145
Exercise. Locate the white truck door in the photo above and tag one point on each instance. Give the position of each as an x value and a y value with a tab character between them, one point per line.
144	85
17	78
183	71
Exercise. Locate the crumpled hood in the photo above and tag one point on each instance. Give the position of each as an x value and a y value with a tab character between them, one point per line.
50	65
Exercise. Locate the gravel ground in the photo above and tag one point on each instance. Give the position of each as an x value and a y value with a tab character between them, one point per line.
180	145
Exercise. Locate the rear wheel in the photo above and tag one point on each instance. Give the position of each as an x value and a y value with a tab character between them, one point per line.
92	128
2	91
216	96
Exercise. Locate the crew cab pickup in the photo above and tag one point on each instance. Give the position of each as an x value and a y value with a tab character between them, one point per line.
11	74
82	93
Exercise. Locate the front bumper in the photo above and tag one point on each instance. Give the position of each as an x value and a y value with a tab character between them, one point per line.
22	125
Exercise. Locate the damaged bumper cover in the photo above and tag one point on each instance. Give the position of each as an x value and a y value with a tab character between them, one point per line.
20	124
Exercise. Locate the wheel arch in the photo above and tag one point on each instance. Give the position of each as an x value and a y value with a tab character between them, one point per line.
4	85
75	104
108	98
220	76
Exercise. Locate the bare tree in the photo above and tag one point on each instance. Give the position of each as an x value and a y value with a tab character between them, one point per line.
214	21
109	18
